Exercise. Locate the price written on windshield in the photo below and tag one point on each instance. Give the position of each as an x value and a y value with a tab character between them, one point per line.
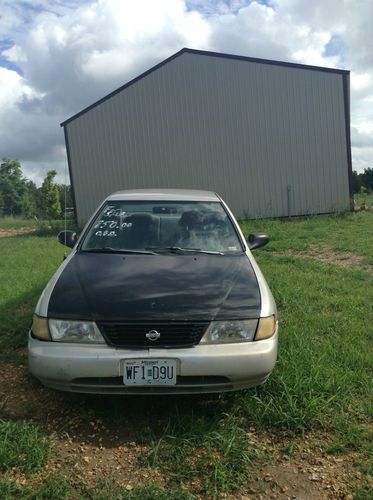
110	227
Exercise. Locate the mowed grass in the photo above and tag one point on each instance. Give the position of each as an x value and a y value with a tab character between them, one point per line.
27	262
16	222
349	232
322	380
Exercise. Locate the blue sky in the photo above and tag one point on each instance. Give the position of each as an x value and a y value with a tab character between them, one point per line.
58	56
7	43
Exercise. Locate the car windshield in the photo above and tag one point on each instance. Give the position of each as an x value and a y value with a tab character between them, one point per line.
162	227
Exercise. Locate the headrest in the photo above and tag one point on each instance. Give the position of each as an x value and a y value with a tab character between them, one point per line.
191	219
194	219
140	220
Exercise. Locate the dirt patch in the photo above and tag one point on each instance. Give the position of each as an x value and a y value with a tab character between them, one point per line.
22	397
6	233
86	463
327	255
306	472
309	474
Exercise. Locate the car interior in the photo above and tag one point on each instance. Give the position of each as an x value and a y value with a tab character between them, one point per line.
140	230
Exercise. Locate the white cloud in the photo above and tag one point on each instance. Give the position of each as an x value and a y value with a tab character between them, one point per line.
362	137
363	157
71	53
12	89
362	84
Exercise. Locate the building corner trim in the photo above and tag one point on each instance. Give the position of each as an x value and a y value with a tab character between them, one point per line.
70	174
346	97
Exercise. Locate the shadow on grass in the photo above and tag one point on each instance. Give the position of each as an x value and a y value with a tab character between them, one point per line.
184	437
114	420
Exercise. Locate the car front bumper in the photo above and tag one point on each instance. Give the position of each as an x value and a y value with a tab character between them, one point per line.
201	369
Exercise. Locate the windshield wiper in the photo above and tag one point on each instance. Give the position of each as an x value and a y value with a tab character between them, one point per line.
183	250
118	250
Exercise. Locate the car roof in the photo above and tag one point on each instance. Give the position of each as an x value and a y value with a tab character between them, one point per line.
164	195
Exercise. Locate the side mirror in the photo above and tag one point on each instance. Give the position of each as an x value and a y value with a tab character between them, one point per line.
68	238
257	240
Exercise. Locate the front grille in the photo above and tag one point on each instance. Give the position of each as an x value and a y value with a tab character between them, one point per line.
172	334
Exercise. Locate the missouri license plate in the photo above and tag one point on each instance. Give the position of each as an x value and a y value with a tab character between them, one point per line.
149	372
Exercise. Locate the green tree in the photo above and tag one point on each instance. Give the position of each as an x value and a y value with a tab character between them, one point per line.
367	178
356	182
50	197
28	205
12	186
69	197
31	203
1	205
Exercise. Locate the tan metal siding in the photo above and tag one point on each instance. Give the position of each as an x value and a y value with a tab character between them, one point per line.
246	130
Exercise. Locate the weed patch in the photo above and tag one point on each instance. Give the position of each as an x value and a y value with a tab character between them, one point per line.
324	363
9	489
214	455
53	488
106	488
22	445
58	488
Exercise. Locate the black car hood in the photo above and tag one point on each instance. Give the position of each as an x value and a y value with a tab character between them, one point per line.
163	287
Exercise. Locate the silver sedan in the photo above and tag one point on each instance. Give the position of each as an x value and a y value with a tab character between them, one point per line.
159	295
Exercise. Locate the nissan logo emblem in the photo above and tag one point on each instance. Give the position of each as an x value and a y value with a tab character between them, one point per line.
152	335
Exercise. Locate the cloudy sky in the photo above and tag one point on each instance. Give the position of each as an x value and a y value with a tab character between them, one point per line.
58	56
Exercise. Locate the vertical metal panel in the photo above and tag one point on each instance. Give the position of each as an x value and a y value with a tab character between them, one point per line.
270	139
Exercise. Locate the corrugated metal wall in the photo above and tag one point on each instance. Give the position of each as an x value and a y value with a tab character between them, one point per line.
270	139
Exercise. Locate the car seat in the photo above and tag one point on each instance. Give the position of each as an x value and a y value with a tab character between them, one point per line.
139	231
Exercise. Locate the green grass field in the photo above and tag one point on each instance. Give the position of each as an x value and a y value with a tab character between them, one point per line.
318	399
15	222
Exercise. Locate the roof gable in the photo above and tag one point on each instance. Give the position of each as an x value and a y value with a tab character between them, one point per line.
203	53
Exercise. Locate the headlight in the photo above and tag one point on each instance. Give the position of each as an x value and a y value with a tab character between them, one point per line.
84	332
40	328
266	328
228	332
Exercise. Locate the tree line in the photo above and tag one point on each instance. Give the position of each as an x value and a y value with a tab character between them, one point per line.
20	196
362	183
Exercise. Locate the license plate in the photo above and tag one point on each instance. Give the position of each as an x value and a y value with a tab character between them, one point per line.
149	372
